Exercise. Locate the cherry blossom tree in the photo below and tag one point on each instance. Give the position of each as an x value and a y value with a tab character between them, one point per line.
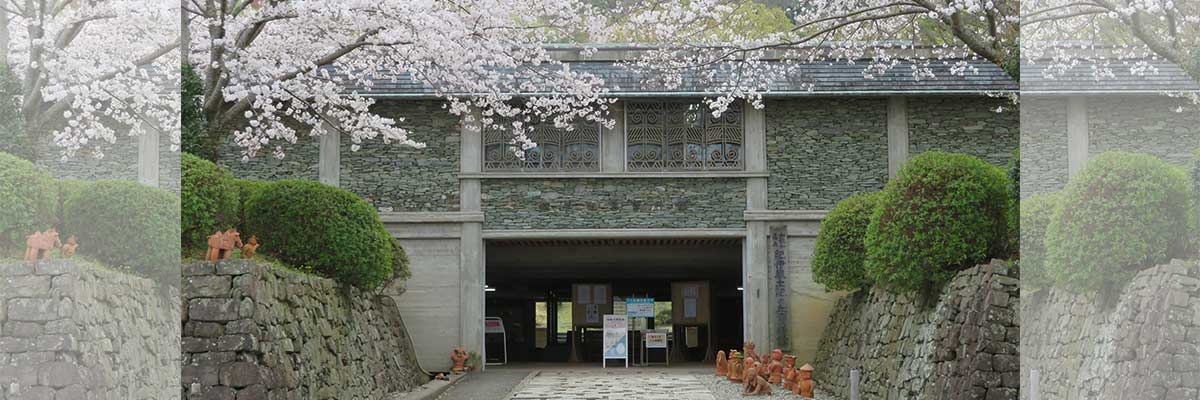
92	71
274	69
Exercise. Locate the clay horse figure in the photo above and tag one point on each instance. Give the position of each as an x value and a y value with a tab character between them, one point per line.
250	247
68	249
722	368
38	245
221	244
459	357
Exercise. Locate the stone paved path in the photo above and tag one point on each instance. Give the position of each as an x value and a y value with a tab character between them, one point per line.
614	385
493	384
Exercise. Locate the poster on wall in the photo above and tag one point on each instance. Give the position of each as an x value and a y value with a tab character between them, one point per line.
583	294
593	314
600	294
656	339
639	307
616	338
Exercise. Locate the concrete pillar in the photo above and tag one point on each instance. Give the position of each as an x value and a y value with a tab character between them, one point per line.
1077	134
471	258
755	262
612	141
329	165
897	134
147	162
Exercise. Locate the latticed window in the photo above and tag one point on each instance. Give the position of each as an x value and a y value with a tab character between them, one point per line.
681	136
558	149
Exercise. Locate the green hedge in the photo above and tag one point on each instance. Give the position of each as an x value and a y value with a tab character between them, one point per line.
246	190
943	212
321	228
1036	212
30	200
127	224
209	199
1123	212
840	251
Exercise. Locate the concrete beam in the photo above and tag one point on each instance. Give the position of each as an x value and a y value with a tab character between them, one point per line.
1077	134
147	162
329	163
755	146
897	133
614	233
756	285
612	142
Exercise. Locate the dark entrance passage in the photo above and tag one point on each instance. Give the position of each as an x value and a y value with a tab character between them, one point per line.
531	282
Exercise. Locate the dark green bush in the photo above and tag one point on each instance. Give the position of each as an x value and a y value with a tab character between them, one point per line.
321	228
838	257
400	269
194	136
246	190
1036	212
943	212
1123	212
126	224
209	199
67	189
29	200
1014	203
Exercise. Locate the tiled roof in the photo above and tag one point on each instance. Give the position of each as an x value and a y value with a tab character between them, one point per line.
1080	79
827	78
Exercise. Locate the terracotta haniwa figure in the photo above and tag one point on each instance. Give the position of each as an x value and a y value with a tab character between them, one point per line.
748	348
789	371
722	367
250	247
804	384
735	366
776	372
38	245
747	367
68	249
459	356
756	385
221	244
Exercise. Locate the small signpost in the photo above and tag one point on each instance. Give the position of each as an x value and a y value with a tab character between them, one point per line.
655	339
616	339
640	307
495	326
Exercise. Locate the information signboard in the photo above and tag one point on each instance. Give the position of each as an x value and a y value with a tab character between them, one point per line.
639	307
616	339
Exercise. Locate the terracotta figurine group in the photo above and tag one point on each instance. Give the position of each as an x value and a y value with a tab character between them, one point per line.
747	368
221	245
39	244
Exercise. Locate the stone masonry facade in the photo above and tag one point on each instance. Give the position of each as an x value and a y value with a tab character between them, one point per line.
971	125
963	345
1044	163
256	331
74	331
820	151
613	203
401	178
1142	345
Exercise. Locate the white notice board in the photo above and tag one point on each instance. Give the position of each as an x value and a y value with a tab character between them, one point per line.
616	339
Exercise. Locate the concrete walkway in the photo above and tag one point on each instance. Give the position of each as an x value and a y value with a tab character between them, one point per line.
493	384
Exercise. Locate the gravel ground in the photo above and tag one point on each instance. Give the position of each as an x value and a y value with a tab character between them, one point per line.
723	389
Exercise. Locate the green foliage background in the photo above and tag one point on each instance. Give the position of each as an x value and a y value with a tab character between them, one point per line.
30	200
209	199
840	250
127	224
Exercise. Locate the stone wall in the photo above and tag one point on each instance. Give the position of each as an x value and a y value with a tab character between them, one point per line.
299	161
110	161
1143	345
255	331
1147	124
613	203
400	178
820	151
1044	166
968	125
963	346
71	330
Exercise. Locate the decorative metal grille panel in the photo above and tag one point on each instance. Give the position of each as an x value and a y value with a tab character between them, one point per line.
557	149
678	136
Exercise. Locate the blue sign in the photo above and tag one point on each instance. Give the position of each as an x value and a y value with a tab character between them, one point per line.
639	307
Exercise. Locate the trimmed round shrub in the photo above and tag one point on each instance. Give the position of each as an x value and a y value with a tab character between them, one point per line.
324	229
840	251
943	212
1036	212
400	268
246	190
67	189
127	224
29	200
1122	213
209	200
